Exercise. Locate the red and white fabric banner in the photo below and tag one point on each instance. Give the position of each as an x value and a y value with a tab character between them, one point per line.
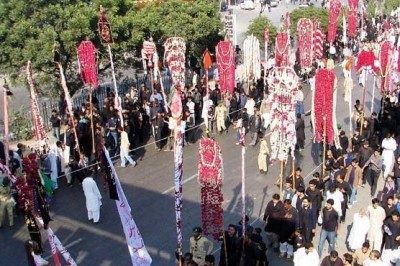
352	18
88	63
251	58
7	172
178	175
282	49
284	84
40	132
68	100
56	245
150	57
174	55
318	40
225	56
334	12
386	55
137	249
305	42
323	108
210	178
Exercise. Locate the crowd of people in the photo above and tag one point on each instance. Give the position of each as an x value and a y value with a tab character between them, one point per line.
369	153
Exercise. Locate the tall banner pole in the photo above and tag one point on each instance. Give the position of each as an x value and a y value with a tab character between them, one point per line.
266	38
324	148
6	126
69	102
174	55
117	102
373	95
91	119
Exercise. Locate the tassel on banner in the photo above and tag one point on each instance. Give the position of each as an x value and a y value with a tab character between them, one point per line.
134	240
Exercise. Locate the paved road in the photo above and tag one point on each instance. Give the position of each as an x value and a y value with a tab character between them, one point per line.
149	189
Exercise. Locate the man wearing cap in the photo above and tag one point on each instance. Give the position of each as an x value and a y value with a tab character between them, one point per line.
198	245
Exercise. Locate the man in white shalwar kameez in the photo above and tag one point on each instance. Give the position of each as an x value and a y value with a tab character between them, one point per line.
359	230
376	216
306	256
389	145
93	198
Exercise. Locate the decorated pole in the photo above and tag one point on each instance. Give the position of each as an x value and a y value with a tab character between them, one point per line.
324	148
293	171
305	34
106	37
225	56
251	59
323	112
334	13
373	94
69	102
266	39
175	48
40	132
281	179
6	91
88	67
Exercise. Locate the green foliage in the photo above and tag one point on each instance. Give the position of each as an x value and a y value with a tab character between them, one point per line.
257	28
310	13
391	5
197	22
21	124
29	29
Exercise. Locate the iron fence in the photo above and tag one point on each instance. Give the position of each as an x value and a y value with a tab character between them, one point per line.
46	105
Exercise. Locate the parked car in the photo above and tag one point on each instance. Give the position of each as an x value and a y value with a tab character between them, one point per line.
247	5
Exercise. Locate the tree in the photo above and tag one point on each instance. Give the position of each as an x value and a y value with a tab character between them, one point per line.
29	29
310	13
257	28
198	22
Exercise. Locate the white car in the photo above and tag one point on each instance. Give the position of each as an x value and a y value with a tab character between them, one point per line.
274	3
247	5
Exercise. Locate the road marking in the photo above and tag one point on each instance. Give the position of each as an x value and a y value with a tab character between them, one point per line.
184	182
73	243
191	177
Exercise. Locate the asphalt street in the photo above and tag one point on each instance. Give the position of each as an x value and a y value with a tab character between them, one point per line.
149	190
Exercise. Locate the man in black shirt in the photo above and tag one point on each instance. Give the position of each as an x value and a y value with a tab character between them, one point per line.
330	223
307	220
231	244
55	121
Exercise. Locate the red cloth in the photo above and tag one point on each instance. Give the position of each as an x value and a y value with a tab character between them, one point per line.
305	42
323	105
366	59
384	57
352	18
88	64
211	180
334	12
282	49
318	40
226	66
